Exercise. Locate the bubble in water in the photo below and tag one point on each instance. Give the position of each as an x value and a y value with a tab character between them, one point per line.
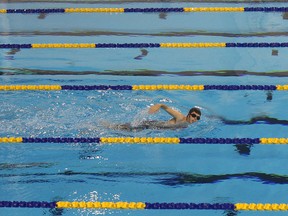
93	195
166	100
116	196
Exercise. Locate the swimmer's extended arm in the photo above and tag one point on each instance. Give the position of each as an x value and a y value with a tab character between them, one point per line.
170	111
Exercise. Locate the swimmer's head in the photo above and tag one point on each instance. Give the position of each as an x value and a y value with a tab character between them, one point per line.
194	115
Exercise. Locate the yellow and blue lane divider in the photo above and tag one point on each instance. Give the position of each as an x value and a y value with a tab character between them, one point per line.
142	87
146	205
145	10
145	140
144	45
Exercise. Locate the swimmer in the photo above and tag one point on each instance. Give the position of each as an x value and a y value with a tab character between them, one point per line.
178	121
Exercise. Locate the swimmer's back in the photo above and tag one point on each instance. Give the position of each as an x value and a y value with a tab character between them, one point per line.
160	125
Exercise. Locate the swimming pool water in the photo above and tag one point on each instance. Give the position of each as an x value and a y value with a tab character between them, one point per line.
152	173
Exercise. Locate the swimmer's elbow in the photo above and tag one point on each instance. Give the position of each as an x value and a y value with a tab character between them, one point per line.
163	106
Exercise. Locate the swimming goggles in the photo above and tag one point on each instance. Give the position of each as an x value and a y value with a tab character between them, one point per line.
194	116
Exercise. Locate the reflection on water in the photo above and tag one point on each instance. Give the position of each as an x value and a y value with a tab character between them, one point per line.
144	53
244	149
254	120
173	179
133	34
143	72
5	166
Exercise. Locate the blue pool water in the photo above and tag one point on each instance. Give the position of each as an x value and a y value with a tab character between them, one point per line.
146	173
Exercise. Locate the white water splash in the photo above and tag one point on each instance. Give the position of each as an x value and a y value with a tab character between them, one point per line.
140	117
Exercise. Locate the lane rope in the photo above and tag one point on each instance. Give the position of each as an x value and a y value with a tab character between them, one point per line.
143	87
145	140
144	45
146	205
144	10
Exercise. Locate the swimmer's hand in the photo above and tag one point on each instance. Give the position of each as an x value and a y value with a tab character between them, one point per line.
155	108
